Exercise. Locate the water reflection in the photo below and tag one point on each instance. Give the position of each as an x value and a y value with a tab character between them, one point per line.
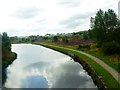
70	76
54	71
35	82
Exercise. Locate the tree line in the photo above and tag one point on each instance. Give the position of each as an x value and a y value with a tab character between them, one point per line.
105	29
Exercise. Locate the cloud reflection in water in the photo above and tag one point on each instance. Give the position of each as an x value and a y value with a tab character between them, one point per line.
35	82
50	72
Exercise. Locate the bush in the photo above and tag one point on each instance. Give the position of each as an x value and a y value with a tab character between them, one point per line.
84	46
111	48
99	44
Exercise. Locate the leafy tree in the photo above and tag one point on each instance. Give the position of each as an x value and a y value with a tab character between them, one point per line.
55	38
116	35
99	27
106	29
90	34
6	44
105	26
85	35
111	23
92	22
65	40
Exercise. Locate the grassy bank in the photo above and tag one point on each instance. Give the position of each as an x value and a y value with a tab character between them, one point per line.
108	79
111	60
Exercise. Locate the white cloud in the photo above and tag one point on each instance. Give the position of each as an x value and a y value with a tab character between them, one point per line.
27	13
27	17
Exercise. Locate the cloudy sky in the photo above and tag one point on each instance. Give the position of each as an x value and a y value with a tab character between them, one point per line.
39	17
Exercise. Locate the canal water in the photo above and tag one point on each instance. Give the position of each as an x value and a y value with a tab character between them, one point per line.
40	67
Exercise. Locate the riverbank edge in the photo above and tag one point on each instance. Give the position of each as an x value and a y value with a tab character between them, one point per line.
98	80
5	64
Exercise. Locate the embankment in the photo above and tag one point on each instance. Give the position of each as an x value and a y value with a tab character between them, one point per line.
5	64
100	76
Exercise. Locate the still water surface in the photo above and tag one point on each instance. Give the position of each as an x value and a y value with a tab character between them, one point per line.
40	67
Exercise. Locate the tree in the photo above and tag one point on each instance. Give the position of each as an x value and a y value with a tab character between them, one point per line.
65	39
99	27
106	29
90	34
104	26
92	22
85	35
55	38
6	44
111	23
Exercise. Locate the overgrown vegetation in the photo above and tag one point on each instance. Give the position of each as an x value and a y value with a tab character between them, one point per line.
7	55
111	48
105	29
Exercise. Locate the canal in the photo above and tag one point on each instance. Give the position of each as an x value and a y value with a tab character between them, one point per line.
40	67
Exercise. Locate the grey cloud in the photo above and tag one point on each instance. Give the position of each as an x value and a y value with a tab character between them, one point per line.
27	13
76	20
69	3
70	23
82	16
42	21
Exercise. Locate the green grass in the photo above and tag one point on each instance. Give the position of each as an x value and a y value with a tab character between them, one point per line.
106	59
107	77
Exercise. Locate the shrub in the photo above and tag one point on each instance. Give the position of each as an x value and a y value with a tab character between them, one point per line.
79	46
99	44
84	46
111	48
